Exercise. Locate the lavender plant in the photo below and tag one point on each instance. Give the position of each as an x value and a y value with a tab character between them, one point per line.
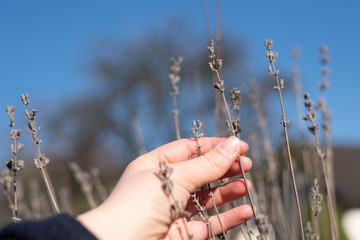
99	186
322	107
15	165
271	56
273	199
174	79
195	131
41	161
177	209
86	185
6	180
317	198
308	231
215	65
313	128
235	98
203	214
325	112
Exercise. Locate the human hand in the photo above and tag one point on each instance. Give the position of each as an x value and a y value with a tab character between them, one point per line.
138	207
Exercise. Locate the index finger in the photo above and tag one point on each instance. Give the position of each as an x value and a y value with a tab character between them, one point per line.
184	149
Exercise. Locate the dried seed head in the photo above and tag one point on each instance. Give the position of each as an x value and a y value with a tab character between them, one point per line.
325	71
214	63
174	75
10	165
21	165
25	99
268	44
10	109
42	162
199	124
27	114
281	83
34	111
309	104
295	52
306	96
219	86
308	230
20	147
323	49
313	129
317	198
235	97
324	85
219	64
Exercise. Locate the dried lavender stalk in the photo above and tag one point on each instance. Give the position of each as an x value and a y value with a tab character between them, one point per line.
139	136
95	175
204	216
84	179
41	161
317	198
175	78
195	131
300	110
6	180
271	56
34	196
164	174
235	98
266	228
15	165
325	112
313	128
276	202
215	65
308	231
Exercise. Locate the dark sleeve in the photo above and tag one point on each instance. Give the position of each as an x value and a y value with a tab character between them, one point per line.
58	227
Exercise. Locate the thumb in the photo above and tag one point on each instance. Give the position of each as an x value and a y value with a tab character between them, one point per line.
200	171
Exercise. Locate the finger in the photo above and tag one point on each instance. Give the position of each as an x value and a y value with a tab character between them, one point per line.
235	167
221	195
229	220
184	149
208	168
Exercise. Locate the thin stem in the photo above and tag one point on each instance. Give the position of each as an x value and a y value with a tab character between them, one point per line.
6	180
50	191
15	189
278	87
176	204
277	204
217	215
239	157
195	131
215	65
328	195
176	118
174	79
98	184
313	130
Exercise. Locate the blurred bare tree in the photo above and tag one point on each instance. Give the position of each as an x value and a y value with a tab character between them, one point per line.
130	81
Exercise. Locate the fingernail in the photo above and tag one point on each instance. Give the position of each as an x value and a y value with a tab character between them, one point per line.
229	146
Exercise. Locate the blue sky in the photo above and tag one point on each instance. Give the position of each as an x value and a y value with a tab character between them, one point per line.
44	45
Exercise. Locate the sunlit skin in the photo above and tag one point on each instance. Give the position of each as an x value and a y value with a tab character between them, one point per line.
138	207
